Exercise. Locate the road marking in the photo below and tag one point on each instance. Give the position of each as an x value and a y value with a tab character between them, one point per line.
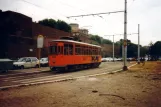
132	65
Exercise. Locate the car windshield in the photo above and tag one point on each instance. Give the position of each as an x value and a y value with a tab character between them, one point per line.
44	59
22	60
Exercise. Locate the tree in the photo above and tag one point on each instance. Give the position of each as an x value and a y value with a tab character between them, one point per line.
132	50
61	25
48	22
143	51
96	38
106	41
100	40
155	50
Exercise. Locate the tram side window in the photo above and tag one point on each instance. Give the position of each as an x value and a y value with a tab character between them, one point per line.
96	51
100	52
93	52
86	50
70	49
60	50
82	49
90	51
65	49
53	49
77	50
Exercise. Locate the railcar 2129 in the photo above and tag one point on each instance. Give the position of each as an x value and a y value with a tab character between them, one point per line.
72	55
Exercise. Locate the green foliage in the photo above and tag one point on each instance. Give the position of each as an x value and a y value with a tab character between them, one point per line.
143	51
118	43
48	22
106	41
96	38
95	43
61	25
100	40
155	50
132	50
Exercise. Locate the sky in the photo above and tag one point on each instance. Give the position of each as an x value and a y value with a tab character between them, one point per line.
147	13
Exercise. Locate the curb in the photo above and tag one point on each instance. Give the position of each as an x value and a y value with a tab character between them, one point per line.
61	80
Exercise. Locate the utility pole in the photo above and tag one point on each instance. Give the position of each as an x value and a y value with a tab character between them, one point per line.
113	47
138	43
124	44
125	38
113	50
125	31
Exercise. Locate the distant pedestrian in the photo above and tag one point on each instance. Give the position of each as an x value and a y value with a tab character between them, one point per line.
142	60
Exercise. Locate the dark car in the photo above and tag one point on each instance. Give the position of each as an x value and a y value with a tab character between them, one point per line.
5	65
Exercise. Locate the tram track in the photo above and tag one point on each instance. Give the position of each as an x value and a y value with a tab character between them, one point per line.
48	77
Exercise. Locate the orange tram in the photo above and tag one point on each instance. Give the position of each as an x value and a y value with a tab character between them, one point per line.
67	55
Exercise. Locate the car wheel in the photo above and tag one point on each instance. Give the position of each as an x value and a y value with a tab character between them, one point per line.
37	66
22	67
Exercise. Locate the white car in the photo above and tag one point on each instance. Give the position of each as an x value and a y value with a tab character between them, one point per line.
26	62
44	61
104	60
109	59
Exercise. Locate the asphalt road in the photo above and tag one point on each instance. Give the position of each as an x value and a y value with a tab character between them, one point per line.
34	76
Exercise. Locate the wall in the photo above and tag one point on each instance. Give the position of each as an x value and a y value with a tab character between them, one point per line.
19	34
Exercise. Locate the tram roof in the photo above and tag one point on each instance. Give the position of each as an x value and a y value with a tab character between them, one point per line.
72	41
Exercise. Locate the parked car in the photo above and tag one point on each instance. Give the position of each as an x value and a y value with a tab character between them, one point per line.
5	65
109	59
26	62
119	59
104	60
44	62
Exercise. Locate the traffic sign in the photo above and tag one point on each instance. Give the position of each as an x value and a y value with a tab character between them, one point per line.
40	41
125	43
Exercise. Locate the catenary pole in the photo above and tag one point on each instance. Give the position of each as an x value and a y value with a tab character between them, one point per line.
113	49
138	43
125	38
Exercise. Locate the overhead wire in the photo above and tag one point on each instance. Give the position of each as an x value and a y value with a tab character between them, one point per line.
70	6
76	8
43	8
131	4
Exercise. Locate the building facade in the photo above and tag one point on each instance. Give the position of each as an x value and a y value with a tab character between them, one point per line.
19	35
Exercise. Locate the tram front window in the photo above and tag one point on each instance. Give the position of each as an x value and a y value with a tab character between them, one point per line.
53	50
